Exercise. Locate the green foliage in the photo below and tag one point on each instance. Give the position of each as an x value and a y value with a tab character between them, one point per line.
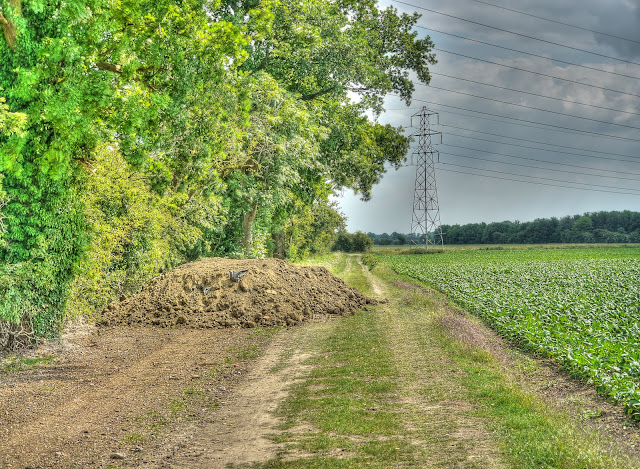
135	234
10	122
44	240
353	242
370	261
594	227
20	363
78	73
230	121
580	306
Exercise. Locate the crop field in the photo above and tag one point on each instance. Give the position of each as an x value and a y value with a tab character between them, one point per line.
580	306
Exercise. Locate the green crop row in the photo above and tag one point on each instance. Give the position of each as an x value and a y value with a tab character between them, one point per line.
580	306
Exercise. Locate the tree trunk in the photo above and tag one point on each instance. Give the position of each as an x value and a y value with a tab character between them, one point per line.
279	243
9	26
247	228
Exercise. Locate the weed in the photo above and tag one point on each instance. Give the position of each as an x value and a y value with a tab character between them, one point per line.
19	363
134	438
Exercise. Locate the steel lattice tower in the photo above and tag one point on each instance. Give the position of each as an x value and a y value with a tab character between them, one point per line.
426	212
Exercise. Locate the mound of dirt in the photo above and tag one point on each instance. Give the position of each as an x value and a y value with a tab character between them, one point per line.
267	292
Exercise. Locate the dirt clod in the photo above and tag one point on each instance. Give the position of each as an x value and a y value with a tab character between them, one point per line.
216	292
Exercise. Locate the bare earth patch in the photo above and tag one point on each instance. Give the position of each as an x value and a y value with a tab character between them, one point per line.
237	433
110	391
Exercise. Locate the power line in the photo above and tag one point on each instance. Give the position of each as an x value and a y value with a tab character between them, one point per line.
536	73
635	191
532	94
537	183
557	22
516	34
538	167
505	121
542	149
532	108
529	53
537	142
587	132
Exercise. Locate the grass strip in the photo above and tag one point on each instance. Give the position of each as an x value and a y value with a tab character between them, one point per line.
344	403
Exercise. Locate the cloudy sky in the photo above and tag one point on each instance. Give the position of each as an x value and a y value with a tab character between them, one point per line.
572	145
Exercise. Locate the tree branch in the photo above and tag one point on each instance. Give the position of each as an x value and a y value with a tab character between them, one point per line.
109	67
317	94
117	68
9	29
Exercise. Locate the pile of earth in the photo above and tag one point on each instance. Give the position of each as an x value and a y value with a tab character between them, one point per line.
266	292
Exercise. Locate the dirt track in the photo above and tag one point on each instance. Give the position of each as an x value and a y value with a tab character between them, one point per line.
111	390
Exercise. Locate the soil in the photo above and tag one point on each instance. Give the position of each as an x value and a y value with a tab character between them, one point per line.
111	390
266	292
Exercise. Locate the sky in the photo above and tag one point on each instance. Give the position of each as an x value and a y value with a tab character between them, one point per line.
561	171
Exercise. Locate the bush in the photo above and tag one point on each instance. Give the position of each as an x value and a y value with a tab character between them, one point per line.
370	260
353	242
42	245
135	234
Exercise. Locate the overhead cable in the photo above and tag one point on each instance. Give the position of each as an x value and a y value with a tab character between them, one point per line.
557	22
634	191
586	132
549	150
538	167
536	141
517	34
537	183
530	53
532	94
537	73
532	108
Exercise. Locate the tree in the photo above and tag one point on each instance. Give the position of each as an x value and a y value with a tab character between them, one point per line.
317	53
322	52
353	242
78	73
584	224
241	111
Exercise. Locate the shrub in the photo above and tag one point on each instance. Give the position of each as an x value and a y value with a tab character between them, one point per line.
135	234
353	242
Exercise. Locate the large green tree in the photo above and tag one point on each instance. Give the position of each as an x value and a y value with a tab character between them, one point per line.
339	60
77	73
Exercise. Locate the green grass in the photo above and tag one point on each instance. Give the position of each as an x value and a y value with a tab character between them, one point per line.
249	352
345	399
19	363
393	386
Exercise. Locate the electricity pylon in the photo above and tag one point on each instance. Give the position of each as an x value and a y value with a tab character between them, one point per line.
426	212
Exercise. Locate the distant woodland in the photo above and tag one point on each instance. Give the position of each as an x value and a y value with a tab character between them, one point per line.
594	227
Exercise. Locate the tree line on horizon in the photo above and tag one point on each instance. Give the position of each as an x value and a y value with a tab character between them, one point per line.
591	227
